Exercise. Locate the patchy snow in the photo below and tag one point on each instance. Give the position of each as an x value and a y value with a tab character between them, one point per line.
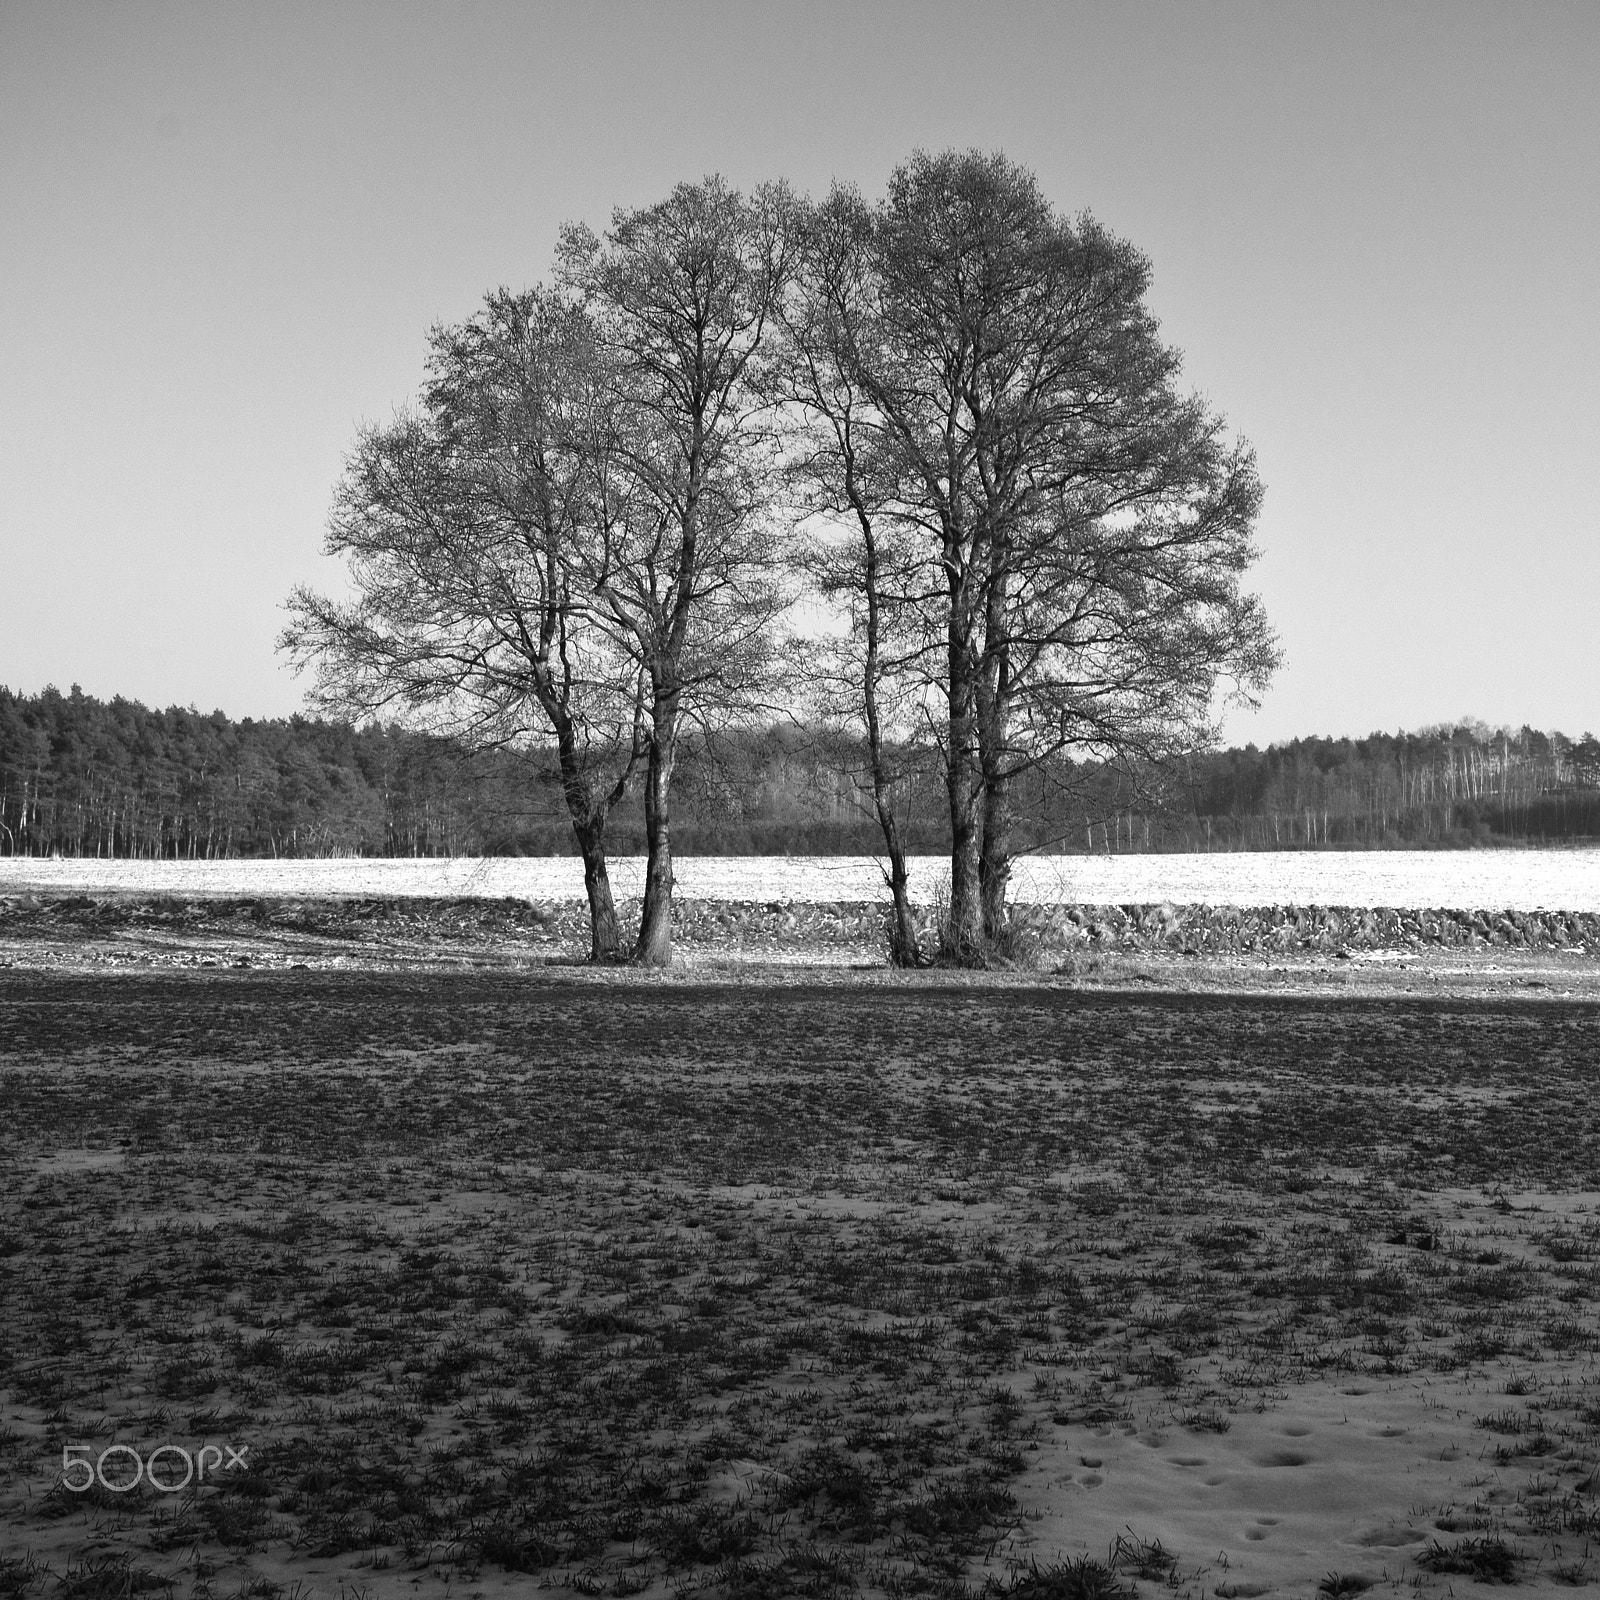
1522	880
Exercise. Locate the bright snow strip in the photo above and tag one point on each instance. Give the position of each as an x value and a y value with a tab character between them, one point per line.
1523	880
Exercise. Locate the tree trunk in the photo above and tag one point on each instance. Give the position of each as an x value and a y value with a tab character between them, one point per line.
993	695
963	937
605	941
655	920
905	950
994	856
588	818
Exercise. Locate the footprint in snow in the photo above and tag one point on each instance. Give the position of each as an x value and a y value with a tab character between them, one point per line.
1385	1538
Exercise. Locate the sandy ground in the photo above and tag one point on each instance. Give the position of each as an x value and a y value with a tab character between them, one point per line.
1337	1477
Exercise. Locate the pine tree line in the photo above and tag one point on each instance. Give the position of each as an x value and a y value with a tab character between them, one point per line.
1446	785
84	777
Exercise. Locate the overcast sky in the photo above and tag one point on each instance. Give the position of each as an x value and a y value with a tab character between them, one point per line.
225	231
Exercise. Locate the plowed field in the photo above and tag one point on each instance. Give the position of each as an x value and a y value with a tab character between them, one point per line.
476	1281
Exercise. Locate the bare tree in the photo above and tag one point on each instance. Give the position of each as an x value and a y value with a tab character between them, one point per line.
684	557
1120	617
1070	530
461	525
868	678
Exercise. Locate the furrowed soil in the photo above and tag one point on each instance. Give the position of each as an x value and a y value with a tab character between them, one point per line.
1442	950
770	1281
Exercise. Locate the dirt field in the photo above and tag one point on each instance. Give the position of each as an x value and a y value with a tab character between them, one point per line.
774	1281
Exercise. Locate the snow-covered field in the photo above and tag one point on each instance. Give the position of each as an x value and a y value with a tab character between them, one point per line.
1522	880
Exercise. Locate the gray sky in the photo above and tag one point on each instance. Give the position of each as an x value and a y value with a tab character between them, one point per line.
1374	228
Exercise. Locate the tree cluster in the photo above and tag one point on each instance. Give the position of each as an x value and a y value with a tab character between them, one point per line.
944	418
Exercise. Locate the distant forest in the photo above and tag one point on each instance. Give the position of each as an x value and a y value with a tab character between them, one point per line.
85	777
